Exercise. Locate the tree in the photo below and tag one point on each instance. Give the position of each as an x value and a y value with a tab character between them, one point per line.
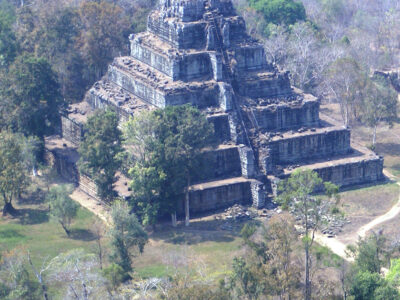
8	45
371	286
78	272
167	145
102	37
127	236
30	97
15	282
99	151
370	253
190	133
62	208
379	105
269	267
281	239
31	147
13	177
147	174
280	11
345	81
296	193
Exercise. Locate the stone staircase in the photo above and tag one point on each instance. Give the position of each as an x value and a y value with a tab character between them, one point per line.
198	52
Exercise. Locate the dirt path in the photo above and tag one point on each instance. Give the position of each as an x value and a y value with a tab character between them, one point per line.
339	247
92	205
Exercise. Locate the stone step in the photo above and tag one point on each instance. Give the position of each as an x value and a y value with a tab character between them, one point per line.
264	84
158	89
362	167
218	194
302	145
284	115
177	65
218	163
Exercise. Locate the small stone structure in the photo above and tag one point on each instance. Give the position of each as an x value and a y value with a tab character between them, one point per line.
198	52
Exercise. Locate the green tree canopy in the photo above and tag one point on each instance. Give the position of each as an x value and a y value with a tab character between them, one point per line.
62	208
166	145
100	150
13	176
280	12
127	236
30	97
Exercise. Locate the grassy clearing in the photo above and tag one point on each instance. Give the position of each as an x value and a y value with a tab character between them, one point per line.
211	251
35	232
364	204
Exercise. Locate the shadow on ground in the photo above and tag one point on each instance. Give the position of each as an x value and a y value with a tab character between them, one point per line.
388	149
82	235
10	234
28	216
200	231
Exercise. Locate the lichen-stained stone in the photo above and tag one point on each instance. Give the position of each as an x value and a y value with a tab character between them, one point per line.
198	52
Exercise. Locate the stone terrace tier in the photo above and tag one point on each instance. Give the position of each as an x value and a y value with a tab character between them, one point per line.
192	64
157	89
198	52
363	166
302	145
276	114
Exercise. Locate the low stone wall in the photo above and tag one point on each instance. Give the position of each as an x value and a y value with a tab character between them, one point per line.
88	186
221	127
222	196
305	147
353	173
278	86
71	130
184	67
284	116
250	58
203	95
96	101
219	163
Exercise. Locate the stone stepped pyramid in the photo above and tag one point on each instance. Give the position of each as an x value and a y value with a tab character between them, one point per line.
198	52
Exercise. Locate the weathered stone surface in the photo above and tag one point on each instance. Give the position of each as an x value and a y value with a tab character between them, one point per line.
223	162
296	147
220	194
284	116
198	52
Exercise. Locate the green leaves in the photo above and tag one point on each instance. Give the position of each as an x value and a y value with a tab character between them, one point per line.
166	145
63	208
127	236
280	11
30	97
13	177
100	151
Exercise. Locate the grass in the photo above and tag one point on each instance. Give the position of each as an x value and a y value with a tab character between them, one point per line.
44	239
212	251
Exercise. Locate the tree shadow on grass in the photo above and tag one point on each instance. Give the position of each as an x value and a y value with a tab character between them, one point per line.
28	216
10	234
201	231
82	235
388	149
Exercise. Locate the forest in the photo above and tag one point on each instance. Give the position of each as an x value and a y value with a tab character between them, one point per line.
53	247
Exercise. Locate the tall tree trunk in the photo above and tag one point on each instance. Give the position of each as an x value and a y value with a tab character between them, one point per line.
308	283
374	136
187	215
8	208
173	218
39	278
65	229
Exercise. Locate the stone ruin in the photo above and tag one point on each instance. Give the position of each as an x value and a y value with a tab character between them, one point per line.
198	52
